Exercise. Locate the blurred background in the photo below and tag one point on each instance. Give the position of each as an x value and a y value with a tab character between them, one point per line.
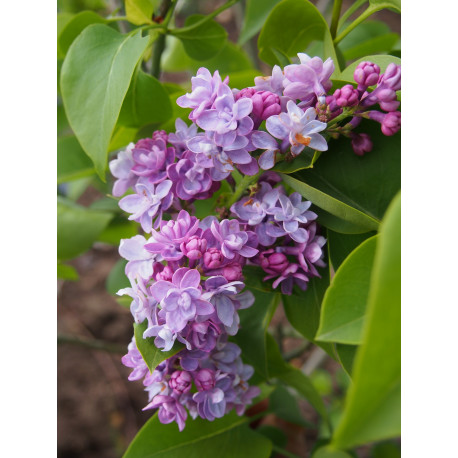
99	410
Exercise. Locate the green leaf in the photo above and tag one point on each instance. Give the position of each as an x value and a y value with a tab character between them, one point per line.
381	4
290	27
203	41
344	304
302	308
332	205
72	161
140	12
94	81
386	450
336	224
372	410
77	228
292	376
274	434
146	102
346	355
121	137
152	355
62	20
353	188
74	27
66	272
117	278
341	245
226	437
381	44
284	405
381	60
254	279
255	15
119	228
251	336
303	161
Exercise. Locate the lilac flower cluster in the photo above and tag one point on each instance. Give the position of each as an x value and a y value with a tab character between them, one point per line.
186	283
289	247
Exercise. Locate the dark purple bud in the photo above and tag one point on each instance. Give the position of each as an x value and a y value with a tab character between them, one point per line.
346	96
204	380
361	144
160	134
391	123
180	382
366	74
273	263
194	247
232	272
213	258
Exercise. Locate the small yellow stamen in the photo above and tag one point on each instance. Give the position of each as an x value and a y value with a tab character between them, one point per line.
303	140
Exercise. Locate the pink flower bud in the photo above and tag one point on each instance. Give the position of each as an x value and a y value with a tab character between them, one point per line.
194	247
361	144
273	263
265	104
204	380
160	134
180	382
161	272
366	74
391	78
346	96
213	258
391	123
232	272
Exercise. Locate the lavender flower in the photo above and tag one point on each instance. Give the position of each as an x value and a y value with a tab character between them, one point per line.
182	135
135	360
169	410
299	128
148	203
140	260
121	168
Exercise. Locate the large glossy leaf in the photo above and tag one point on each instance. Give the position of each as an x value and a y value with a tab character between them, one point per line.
292	377
203	41
94	81
146	102
353	188
226	437
291	26
77	227
256	12
302	308
72	161
152	355
381	60
140	11
346	356
373	411
341	245
344	304
74	27
251	336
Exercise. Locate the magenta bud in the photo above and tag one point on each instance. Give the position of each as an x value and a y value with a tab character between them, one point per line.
161	272
180	382
265	104
346	96
213	258
194	247
160	134
274	263
366	74
361	144
391	78
232	272
204	380
391	123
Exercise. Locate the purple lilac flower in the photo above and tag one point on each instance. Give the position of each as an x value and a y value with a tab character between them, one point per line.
180	382
299	128
169	410
204	91
135	360
272	83
292	212
385	92
140	260
194	248
200	335
182	135
151	158
309	79
148	203
190	179
231	239
265	104
366	74
121	168
262	140
171	234
180	299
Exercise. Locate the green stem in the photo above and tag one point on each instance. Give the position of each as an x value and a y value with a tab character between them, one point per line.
368	12
335	17
339	118
165	11
351	10
242	187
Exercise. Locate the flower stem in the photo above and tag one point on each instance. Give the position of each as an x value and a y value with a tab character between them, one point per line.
88	343
335	17
242	186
